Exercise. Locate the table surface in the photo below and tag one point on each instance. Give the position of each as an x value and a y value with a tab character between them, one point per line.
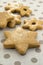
33	56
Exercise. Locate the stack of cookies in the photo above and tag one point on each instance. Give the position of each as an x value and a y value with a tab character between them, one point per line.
20	38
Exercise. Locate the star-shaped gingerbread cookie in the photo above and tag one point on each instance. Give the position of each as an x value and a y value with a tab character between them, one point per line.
5	17
21	40
33	24
8	19
23	10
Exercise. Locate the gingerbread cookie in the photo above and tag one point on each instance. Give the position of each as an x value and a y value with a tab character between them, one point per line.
5	17
33	24
23	10
21	40
8	19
